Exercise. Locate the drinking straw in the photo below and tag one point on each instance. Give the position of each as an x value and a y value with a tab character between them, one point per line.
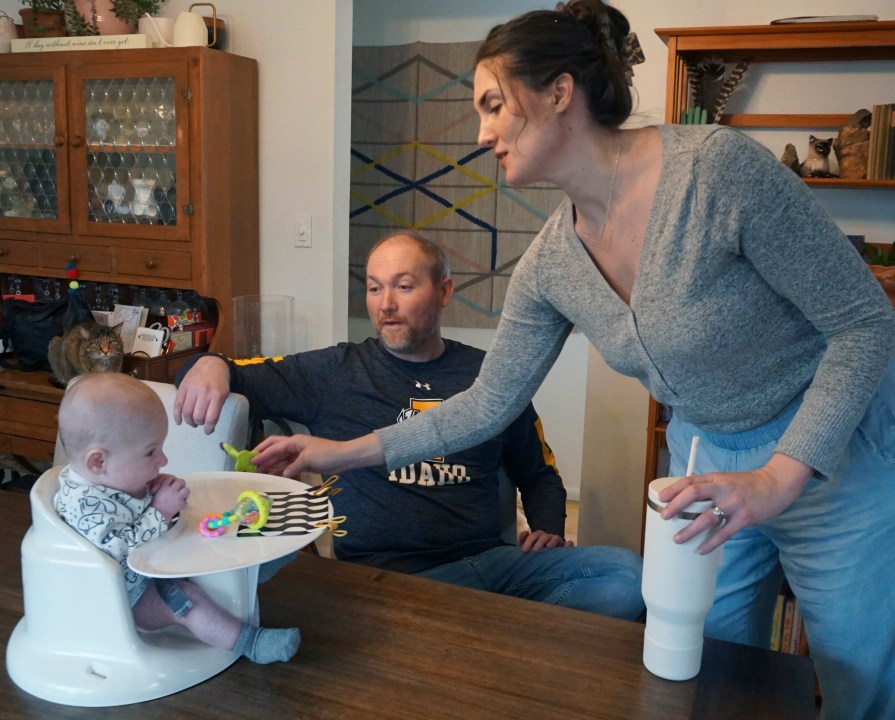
691	463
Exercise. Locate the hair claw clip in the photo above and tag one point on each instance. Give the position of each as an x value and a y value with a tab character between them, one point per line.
326	488
333	525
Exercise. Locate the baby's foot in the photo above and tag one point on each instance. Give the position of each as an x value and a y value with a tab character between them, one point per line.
267	645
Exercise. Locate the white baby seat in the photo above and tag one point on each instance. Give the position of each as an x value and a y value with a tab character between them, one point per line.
77	644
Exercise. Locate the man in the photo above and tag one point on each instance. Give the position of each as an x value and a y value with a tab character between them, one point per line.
439	518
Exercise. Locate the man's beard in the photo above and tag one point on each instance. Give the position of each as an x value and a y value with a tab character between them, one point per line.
408	340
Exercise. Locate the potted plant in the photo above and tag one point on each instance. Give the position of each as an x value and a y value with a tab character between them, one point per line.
106	17
43	18
882	265
133	10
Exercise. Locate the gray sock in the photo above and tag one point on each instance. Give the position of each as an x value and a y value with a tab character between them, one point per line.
267	645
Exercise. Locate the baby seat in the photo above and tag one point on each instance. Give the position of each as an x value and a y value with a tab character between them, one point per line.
77	644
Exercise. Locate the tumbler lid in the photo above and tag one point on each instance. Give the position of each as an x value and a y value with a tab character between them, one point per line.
690	512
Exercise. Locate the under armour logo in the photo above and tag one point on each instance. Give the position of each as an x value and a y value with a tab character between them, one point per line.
422	386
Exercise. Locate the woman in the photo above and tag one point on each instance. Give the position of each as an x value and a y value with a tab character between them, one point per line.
694	261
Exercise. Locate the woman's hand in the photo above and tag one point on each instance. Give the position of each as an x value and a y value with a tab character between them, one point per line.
744	498
288	456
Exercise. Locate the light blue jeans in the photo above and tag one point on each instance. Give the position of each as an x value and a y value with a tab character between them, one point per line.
836	546
603	580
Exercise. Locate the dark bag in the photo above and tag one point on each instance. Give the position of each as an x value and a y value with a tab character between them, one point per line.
29	326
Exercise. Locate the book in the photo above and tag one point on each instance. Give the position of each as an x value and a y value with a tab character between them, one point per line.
824	19
788	608
796	632
890	145
887	142
871	140
874	141
882	144
777	623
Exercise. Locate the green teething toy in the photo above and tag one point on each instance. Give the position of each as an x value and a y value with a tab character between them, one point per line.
243	458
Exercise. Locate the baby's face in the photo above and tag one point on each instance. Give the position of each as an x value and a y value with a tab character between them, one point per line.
131	466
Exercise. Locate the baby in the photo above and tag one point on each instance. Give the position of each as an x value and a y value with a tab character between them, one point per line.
112	427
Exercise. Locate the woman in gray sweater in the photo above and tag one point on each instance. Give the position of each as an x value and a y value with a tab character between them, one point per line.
695	262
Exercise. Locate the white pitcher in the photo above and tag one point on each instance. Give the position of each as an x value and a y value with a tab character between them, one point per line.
189	28
159	29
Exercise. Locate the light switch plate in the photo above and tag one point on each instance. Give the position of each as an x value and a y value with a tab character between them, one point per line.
302	238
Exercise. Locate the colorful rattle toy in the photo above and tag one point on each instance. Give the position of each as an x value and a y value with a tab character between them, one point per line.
251	509
243	458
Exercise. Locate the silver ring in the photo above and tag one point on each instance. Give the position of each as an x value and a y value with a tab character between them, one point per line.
719	513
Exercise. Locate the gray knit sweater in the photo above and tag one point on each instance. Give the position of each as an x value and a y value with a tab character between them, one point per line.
746	296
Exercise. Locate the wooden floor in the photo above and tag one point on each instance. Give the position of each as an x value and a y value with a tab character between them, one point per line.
572	521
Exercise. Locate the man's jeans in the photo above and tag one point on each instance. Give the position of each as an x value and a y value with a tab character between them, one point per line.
603	580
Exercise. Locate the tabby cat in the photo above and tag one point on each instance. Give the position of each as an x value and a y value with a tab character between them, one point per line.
88	347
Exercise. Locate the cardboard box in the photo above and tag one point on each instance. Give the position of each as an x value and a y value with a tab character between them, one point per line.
203	333
184	319
180	340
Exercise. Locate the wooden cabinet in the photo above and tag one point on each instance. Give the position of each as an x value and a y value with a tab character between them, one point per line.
141	167
808	42
28	408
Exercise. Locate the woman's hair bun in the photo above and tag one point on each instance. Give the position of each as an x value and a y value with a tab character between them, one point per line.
593	15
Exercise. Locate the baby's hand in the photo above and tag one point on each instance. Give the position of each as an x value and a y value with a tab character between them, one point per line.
169	495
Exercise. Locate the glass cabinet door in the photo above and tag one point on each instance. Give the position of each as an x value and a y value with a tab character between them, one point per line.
33	158
129	153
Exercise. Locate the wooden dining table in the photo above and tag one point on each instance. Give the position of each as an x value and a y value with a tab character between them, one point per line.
379	644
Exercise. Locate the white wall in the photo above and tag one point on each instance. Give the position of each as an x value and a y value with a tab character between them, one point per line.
609	445
303	49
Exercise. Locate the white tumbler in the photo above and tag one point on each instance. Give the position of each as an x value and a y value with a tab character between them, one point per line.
678	589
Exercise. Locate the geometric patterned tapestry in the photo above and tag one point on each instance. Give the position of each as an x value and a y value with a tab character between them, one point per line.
416	165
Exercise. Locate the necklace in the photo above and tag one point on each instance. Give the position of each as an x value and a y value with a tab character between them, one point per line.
599	241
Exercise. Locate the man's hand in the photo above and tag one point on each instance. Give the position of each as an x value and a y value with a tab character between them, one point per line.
202	393
169	495
538	540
